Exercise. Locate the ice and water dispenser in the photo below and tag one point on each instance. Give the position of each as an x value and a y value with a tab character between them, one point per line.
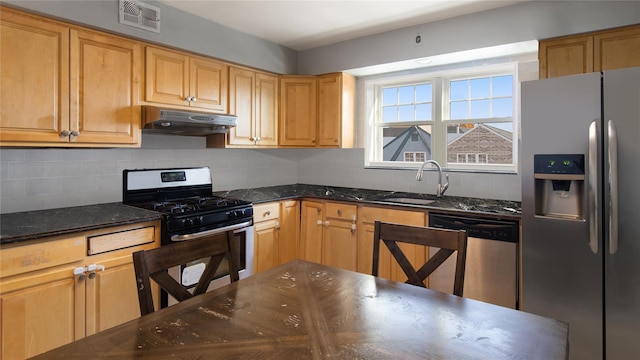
559	186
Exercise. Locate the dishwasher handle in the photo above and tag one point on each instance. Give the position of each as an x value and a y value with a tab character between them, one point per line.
484	228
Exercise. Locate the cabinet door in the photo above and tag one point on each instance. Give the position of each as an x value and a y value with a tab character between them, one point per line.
617	49
41	317
208	84
266	245
339	246
266	109
242	83
112	297
34	89
105	83
388	267
329	110
565	56
311	231
298	111
166	77
289	236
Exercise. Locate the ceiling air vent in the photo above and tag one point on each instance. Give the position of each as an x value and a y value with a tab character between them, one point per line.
138	14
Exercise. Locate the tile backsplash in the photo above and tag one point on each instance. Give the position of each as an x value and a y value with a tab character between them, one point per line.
34	179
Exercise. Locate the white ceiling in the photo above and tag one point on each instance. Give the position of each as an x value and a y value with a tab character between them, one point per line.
305	24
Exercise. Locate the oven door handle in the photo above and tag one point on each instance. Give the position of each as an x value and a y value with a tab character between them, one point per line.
211	232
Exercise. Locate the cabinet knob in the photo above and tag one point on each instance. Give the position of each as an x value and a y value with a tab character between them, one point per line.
193	98
267	213
65	132
75	133
339	212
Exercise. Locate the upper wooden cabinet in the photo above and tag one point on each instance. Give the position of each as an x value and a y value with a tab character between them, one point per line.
253	97
584	53
183	80
66	86
317	111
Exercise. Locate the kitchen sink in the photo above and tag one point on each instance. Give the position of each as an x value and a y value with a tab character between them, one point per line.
407	200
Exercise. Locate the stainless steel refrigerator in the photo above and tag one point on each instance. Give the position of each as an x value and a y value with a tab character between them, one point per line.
580	167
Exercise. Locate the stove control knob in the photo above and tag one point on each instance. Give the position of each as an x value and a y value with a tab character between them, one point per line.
187	222
197	221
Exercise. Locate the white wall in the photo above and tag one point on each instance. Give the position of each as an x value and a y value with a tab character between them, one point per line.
531	20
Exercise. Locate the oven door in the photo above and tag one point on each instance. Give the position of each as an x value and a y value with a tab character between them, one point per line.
189	274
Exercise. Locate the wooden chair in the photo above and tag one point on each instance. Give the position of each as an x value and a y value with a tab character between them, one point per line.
449	241
155	262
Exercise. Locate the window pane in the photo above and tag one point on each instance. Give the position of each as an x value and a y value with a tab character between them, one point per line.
486	143
390	114
395	144
424	93
502	86
458	90
406	113
459	110
480	109
406	94
480	88
502	107
389	96
423	112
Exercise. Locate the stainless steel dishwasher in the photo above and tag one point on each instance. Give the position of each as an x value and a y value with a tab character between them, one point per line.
491	273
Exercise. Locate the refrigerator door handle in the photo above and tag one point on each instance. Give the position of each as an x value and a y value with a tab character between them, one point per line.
613	187
593	202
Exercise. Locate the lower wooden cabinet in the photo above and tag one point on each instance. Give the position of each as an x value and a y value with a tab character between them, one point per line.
328	233
388	267
51	294
276	233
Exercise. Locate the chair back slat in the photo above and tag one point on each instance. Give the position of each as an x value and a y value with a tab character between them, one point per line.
153	264
448	242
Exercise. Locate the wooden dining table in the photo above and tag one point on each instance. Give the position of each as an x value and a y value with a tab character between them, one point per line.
303	310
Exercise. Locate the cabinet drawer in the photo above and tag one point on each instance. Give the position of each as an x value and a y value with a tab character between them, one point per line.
264	212
120	240
340	211
371	214
46	254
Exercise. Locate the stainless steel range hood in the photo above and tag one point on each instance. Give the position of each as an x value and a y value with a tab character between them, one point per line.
179	122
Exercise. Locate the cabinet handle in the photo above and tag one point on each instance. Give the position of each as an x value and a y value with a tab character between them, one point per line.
65	132
339	212
75	133
319	222
277	225
267	213
193	98
327	223
80	273
353	229
92	268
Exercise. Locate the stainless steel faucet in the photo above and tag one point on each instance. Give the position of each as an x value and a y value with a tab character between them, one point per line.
441	188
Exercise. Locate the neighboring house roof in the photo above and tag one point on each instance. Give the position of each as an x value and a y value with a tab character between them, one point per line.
504	134
403	143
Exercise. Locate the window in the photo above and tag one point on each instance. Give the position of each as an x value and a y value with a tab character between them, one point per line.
464	119
415	157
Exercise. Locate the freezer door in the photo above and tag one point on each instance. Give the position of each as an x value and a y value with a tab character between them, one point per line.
561	276
622	268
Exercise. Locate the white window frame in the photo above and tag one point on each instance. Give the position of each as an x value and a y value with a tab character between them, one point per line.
439	112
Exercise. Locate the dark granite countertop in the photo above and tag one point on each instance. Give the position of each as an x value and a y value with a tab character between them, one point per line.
22	226
477	206
29	225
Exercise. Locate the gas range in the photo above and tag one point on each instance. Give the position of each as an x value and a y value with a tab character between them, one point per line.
184	196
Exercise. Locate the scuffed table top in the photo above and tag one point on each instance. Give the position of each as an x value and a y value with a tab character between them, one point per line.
302	310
